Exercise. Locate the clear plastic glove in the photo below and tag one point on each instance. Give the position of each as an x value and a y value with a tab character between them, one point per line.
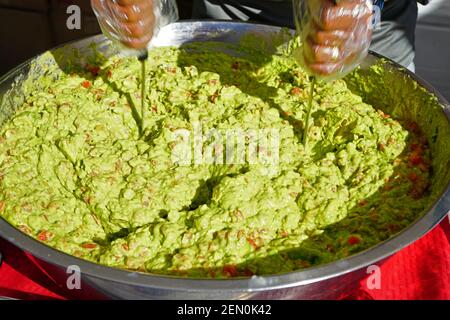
133	23
335	35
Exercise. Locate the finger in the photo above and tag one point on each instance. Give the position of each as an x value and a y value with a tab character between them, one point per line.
328	38
342	16
330	68
135	12
321	53
138	43
322	68
137	29
134	41
325	69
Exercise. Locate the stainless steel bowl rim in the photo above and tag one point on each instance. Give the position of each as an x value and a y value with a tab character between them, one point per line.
256	283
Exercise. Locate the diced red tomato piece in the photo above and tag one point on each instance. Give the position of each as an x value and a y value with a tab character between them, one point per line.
415	159
296	91
284	234
416	147
86	84
93	69
252	243
363	202
212	273
230	270
352	240
384	115
412	176
414	127
89	245
45	235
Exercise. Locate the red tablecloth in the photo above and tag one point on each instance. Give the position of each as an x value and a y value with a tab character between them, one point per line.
420	271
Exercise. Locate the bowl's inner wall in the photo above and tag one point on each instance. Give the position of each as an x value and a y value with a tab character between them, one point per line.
397	94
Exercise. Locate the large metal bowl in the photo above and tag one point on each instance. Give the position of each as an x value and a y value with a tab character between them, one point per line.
324	281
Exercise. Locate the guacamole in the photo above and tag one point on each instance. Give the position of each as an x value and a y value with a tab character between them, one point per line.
78	174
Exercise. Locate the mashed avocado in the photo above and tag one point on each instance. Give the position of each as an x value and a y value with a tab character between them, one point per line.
77	174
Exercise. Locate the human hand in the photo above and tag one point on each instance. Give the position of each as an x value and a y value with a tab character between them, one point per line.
335	35
130	22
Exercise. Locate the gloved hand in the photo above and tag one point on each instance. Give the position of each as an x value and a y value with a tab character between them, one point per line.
335	35
133	23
